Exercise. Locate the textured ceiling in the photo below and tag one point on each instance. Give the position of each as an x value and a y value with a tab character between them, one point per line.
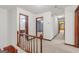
44	8
36	9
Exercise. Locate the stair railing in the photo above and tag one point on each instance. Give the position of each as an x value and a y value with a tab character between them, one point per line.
29	43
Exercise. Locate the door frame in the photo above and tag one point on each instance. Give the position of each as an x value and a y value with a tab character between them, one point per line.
58	27
19	27
26	22
36	23
76	27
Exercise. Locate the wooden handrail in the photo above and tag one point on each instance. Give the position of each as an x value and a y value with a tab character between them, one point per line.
32	38
30	35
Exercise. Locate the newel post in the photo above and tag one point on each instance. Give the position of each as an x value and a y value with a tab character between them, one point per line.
41	37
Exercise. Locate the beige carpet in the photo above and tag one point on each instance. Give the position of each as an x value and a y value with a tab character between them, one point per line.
57	46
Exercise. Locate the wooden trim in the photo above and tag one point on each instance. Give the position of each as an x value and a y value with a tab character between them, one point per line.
30	35
36	23
77	8
26	24
76	27
39	17
33	36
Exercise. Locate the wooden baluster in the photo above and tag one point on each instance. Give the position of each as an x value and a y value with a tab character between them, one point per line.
31	44
19	40
23	42
41	37
36	45
26	45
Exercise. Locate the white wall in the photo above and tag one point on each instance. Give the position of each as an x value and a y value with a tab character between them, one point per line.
3	28
12	26
48	24
69	24
9	25
55	25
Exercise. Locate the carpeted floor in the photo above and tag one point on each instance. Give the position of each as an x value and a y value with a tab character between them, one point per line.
57	46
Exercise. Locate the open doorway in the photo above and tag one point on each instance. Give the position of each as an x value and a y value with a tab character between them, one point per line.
23	23
39	26
60	26
61	30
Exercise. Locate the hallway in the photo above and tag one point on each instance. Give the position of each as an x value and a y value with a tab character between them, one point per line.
18	24
57	46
